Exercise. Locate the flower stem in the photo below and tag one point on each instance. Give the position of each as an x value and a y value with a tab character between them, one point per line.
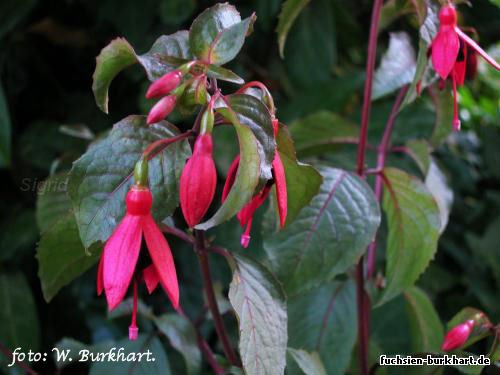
383	148
363	300
201	250
160	145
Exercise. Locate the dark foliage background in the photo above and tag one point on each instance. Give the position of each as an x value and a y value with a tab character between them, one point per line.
47	57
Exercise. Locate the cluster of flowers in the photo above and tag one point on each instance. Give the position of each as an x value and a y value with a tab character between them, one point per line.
120	257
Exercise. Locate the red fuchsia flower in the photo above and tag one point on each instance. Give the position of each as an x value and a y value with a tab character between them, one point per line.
450	53
164	85
121	253
199	176
457	336
161	109
245	215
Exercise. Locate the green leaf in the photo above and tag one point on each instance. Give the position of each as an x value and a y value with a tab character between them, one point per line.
252	123
414	223
302	180
11	12
444	117
159	365
166	54
5	131
19	326
101	178
321	132
52	202
289	12
113	58
218	72
182	337
310	363
328	236
426	328
397	66
62	257
437	184
260	305
217	35
65	344
324	320
420	151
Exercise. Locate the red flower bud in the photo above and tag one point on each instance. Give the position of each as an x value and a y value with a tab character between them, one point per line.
161	109
457	336
164	85
198	181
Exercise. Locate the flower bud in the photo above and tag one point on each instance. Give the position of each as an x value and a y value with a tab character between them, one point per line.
457	336
164	85
198	181
161	109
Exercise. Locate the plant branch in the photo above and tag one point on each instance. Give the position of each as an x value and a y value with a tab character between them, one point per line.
383	148
177	233
161	144
363	300
8	353
201	250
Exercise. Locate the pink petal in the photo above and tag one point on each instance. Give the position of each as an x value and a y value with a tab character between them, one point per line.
477	48
162	259
231	177
281	192
100	281
151	278
445	51
120	258
460	67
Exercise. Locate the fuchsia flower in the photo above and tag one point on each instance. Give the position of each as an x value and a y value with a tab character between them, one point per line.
199	176
121	253
162	109
457	336
164	85
245	216
450	53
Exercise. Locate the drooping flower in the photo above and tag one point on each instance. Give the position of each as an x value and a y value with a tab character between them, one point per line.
161	109
457	336
164	84
199	176
245	215
118	261
449	51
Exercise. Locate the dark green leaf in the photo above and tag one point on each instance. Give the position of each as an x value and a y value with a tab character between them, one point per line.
167	53
217	35
252	123
328	236
420	151
53	202
260	305
288	14
217	72
444	117
310	363
324	320
19	326
17	232
302	180
437	184
426	328
414	224
5	131
159	365
11	12
182	337
397	67
101	178
62	257
321	131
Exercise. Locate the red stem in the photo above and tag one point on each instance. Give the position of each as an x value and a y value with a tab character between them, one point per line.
211	300
363	300
370	66
148	152
383	148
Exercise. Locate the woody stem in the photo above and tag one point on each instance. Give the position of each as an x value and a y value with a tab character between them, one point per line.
363	301
201	251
